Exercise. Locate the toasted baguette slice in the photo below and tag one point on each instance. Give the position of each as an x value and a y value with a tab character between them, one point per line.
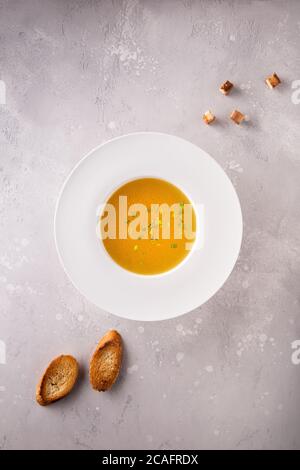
58	380
106	361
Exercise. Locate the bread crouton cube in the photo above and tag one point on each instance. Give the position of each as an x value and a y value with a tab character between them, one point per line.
226	87
208	117
237	117
273	81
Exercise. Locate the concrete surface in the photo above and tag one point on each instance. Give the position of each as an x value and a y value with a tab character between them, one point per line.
78	73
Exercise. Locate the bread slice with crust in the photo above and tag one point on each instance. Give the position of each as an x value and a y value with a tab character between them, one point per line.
105	363
58	380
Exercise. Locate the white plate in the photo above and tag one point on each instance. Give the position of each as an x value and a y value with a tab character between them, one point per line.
97	276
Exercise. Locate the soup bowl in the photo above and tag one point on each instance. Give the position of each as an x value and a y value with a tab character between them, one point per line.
163	295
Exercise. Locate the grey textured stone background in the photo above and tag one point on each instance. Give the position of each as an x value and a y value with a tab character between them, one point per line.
78	73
